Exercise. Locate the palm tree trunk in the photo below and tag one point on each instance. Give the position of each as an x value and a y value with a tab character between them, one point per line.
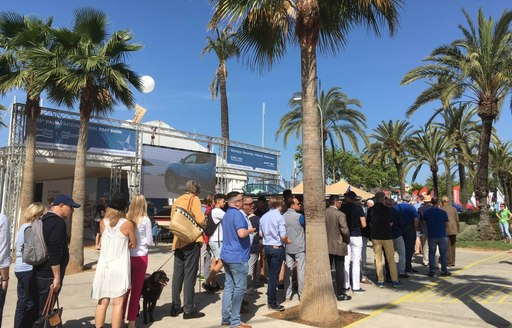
27	185
449	180
224	114
485	229
401	177
76	246
463	182
435	181
318	301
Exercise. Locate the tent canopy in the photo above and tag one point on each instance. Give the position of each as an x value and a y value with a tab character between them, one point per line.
338	188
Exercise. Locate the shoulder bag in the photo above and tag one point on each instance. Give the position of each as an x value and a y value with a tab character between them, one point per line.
183	224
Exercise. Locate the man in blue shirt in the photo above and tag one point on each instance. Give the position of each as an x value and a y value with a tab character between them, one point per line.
273	232
235	257
436	220
410	216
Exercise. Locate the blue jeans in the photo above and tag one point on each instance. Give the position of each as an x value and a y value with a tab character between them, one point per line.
433	243
504	229
274	258
234	288
25	308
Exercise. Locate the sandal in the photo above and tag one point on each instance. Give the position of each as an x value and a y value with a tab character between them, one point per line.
343	297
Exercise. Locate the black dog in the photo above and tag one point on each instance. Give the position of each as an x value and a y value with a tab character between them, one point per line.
151	290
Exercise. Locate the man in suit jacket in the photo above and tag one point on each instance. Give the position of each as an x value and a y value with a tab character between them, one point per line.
338	236
452	229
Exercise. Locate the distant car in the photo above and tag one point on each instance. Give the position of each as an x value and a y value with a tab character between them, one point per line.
263	189
196	166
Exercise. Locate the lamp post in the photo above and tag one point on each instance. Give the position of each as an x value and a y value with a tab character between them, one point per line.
321	138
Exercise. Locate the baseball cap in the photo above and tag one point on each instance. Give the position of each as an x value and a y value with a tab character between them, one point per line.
64	199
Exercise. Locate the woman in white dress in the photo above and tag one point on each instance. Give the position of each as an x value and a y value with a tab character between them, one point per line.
112	277
137	214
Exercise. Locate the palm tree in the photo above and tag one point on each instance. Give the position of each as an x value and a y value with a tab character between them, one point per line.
460	127
428	145
340	120
17	35
266	28
477	67
2	122
88	66
389	144
224	47
501	164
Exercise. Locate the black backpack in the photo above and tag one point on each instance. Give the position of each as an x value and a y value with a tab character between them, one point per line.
210	225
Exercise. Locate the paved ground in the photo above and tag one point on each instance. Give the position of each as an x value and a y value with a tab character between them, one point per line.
478	294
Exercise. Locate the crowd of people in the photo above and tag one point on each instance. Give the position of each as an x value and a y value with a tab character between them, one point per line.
252	242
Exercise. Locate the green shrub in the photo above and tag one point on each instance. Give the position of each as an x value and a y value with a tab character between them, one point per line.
468	232
469	217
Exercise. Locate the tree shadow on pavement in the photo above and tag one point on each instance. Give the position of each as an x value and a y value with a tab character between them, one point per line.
82	322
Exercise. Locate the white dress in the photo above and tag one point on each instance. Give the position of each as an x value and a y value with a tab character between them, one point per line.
112	277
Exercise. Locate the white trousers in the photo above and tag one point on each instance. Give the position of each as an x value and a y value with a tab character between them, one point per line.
354	255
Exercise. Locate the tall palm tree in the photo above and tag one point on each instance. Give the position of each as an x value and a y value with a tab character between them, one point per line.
389	144
17	35
88	66
428	146
224	47
340	120
2	121
501	165
460	126
266	28
477	67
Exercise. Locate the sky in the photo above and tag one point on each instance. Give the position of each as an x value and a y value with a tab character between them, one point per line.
174	33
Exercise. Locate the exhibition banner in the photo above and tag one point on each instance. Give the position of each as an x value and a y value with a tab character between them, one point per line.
251	160
62	134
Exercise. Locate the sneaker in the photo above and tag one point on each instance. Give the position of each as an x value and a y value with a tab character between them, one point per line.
397	284
445	274
278	308
381	284
431	274
193	315
360	290
343	297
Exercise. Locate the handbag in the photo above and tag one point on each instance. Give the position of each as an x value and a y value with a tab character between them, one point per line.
183	224
51	316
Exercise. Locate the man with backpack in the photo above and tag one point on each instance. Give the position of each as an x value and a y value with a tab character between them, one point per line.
51	272
213	230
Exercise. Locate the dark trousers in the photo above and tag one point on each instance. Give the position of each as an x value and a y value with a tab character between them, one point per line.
2	302
409	241
274	258
452	239
186	263
339	268
43	289
25	313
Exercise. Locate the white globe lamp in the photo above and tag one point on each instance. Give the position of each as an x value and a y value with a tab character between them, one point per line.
147	84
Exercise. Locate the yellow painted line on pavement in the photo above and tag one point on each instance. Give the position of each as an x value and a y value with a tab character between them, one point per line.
505	297
407	297
459	297
492	295
451	292
482	294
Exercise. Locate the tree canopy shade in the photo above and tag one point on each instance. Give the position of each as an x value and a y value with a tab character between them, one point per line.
225	47
18	36
478	69
87	66
266	28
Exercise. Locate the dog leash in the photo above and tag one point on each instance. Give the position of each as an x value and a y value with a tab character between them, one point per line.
166	261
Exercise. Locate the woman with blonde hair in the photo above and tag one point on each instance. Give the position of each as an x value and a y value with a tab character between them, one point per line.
137	214
25	307
112	277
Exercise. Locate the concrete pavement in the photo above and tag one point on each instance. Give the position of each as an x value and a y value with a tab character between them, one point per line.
478	294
